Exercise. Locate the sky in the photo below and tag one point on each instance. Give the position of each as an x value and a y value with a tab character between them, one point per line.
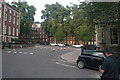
39	5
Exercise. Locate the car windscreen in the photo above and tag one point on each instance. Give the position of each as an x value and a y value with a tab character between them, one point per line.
99	54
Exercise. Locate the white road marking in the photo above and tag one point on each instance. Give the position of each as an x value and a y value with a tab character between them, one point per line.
25	53
30	53
65	65
9	51
62	60
14	52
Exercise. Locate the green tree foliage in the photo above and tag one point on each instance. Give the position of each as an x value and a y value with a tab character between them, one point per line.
84	33
54	16
27	13
70	18
105	14
79	20
60	35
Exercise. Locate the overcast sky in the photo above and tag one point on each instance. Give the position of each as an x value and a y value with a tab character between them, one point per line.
39	5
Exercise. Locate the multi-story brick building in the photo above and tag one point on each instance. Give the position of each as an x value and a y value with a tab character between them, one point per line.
38	34
35	33
10	22
43	36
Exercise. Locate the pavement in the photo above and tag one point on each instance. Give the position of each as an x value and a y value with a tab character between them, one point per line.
71	56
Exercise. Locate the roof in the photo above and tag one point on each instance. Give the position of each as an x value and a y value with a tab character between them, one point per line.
12	7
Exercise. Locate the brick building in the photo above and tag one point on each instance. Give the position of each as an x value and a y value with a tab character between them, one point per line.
10	22
43	36
38	34
35	33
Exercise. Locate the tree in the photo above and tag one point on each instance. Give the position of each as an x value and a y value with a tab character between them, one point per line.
84	33
54	16
27	13
82	27
79	20
60	35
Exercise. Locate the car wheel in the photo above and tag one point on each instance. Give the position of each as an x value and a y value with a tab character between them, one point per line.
81	64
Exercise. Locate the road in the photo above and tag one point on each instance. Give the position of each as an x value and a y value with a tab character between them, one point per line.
42	62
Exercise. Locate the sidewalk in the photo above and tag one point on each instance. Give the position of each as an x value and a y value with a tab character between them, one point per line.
71	56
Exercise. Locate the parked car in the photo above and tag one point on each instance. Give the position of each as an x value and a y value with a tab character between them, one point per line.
44	43
77	45
53	44
90	58
67	45
61	44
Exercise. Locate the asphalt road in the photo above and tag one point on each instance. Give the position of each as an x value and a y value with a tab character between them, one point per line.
42	62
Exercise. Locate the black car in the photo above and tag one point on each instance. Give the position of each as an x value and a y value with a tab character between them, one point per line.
90	58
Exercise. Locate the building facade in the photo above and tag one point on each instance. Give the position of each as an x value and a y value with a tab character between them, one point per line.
38	34
43	36
10	22
35	33
110	37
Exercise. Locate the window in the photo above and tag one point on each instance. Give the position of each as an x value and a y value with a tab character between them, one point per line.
9	39
43	36
43	32
99	54
5	39
10	11
14	13
0	5
10	19
13	31
6	9
16	32
4	29
102	37
87	52
17	15
17	21
9	30
14	20
114	36
5	18
0	13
